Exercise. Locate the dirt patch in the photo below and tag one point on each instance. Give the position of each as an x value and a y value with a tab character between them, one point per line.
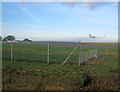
103	83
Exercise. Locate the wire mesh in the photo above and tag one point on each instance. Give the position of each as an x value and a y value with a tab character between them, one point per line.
54	52
25	52
59	51
6	51
86	55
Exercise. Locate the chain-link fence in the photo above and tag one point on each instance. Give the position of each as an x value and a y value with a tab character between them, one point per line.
87	55
29	52
60	51
52	52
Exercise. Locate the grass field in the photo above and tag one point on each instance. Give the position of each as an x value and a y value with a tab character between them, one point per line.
97	74
107	44
30	70
39	53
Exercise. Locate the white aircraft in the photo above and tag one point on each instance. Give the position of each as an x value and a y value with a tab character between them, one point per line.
95	36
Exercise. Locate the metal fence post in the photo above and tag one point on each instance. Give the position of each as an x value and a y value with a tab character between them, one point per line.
86	55
11	52
79	52
106	47
48	52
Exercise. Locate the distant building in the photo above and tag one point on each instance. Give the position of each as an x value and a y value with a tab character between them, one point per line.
27	40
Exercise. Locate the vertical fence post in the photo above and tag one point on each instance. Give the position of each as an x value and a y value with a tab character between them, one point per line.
106	48
11	51
79	52
86	55
48	52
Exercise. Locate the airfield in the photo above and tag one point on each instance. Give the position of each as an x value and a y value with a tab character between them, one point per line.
69	44
29	68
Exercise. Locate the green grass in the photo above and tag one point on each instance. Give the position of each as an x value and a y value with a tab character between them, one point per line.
105	65
3	41
26	73
39	53
103	72
107	44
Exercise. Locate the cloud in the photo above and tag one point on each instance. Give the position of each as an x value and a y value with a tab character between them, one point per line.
115	4
72	4
30	14
86	4
89	5
92	5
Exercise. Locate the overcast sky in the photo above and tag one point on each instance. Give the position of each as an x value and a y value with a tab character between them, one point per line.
60	21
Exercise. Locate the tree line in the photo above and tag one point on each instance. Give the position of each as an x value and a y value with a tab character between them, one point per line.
8	38
11	38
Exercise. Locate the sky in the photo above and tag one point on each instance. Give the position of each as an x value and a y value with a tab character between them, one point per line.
60	21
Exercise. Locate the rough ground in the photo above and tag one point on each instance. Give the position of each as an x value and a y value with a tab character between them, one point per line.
97	74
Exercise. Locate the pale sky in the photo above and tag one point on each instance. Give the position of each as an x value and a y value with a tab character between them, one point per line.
60	21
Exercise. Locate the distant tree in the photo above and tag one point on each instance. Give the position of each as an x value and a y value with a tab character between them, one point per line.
0	38
10	38
27	40
5	39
